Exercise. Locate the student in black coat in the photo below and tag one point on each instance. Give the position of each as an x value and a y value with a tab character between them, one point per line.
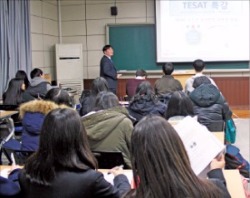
107	68
145	102
64	166
209	104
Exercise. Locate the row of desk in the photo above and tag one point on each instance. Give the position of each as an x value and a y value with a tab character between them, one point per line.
233	179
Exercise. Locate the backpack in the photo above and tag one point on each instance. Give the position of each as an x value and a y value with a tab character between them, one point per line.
234	160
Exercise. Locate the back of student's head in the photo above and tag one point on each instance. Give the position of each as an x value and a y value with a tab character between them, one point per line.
179	105
36	73
201	80
59	96
144	88
168	68
23	75
99	84
198	65
12	96
161	165
63	145
106	100
141	72
159	158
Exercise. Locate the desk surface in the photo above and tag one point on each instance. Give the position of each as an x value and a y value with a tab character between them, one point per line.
233	179
6	114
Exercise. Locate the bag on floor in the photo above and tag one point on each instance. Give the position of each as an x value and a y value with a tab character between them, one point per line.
234	160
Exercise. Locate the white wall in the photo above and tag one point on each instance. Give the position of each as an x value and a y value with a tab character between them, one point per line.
44	34
83	21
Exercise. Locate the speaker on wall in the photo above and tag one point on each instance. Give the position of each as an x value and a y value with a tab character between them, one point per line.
114	11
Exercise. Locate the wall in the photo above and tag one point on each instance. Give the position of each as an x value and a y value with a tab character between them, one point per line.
44	34
84	21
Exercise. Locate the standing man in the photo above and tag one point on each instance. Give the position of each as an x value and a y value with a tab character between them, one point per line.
107	68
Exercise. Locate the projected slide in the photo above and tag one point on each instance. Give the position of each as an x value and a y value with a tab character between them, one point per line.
210	30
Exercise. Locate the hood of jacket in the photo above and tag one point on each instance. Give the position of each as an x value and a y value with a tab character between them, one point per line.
36	81
38	106
98	125
205	95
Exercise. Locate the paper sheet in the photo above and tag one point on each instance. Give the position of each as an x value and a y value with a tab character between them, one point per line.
201	145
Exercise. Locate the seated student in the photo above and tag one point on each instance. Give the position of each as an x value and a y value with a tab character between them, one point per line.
198	66
14	95
145	102
161	166
64	166
132	84
87	100
38	85
109	127
167	84
179	106
58	96
32	115
22	75
209	104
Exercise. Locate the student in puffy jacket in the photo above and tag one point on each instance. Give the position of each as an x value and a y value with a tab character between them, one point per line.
209	104
145	102
32	114
109	127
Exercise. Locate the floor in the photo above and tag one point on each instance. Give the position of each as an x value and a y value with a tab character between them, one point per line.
243	137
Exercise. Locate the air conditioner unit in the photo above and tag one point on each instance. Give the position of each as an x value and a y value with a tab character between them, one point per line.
69	66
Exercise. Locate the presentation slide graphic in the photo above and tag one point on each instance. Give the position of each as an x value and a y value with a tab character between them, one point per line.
212	30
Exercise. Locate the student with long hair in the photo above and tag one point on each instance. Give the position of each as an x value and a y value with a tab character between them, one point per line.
88	98
179	106
23	75
14	93
161	166
145	102
64	166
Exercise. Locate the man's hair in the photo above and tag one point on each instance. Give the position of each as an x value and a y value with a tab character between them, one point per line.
198	65
106	47
141	72
168	68
36	73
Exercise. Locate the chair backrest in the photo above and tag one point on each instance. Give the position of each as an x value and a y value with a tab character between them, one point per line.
109	159
21	156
